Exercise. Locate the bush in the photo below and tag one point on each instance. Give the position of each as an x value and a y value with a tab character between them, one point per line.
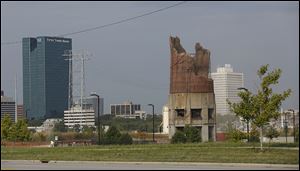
236	135
192	134
112	136
254	136
125	139
272	133
178	137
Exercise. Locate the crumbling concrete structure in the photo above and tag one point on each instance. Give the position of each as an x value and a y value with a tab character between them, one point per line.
191	99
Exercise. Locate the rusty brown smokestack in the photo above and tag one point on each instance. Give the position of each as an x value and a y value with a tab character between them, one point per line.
189	72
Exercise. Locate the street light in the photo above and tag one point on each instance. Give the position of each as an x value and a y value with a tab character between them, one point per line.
285	127
152	119
26	113
293	123
98	117
243	88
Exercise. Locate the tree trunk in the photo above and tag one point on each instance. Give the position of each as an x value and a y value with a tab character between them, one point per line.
248	131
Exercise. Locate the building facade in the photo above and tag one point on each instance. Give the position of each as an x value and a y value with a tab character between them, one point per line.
127	110
78	116
226	84
92	103
20	112
165	122
45	77
8	107
191	99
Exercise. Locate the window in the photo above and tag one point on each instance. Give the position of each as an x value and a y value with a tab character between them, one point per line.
210	113
118	110
196	113
180	112
180	129
210	133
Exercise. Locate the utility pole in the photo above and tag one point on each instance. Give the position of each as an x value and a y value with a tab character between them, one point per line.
16	102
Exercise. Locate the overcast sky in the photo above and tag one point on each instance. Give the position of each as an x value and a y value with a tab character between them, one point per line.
131	60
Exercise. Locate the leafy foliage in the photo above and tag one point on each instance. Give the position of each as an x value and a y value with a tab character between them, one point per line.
272	133
236	135
14	131
113	136
125	139
264	105
190	134
178	137
60	127
126	124
5	125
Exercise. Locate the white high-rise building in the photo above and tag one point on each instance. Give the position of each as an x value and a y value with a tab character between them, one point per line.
226	84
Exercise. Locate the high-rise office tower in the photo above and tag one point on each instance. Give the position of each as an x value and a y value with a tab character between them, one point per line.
45	76
226	84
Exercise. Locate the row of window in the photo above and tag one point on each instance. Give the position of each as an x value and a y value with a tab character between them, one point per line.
196	113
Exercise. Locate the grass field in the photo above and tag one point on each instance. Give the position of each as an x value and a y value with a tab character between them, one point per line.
202	152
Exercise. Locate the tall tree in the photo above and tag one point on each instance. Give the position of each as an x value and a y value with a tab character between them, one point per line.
266	104
23	134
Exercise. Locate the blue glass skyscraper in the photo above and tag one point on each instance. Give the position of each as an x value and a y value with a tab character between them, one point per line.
45	77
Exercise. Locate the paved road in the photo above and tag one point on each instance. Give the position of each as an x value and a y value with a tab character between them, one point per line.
90	165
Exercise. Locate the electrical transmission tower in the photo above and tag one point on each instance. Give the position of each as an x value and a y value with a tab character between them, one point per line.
76	77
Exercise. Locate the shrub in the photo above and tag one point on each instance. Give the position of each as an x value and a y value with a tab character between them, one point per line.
192	134
254	135
272	133
178	137
125	139
112	136
236	135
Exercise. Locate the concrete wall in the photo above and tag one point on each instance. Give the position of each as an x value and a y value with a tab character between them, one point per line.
188	101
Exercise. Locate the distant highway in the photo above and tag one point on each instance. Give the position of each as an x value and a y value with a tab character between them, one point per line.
93	165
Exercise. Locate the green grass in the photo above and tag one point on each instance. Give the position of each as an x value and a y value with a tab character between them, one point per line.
202	152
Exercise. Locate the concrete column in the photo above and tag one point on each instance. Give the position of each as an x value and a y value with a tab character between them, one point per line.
204	133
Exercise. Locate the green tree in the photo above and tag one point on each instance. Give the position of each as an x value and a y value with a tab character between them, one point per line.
244	108
272	133
13	133
261	107
5	126
266	104
178	137
23	134
112	136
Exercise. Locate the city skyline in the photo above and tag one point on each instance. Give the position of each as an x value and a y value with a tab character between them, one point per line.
131	60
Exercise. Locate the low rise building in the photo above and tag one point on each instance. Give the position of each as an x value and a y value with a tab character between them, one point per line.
78	116
127	110
8	107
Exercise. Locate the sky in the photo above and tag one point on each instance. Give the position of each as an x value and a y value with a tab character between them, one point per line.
131	60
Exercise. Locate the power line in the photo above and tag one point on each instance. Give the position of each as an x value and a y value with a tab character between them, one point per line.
106	25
